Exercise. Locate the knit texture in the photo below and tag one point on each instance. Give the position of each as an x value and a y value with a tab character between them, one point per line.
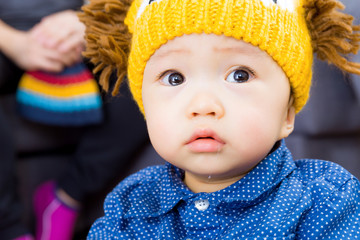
122	35
282	33
69	98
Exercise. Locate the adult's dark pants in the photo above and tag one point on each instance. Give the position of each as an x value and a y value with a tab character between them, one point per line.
10	207
103	154
106	151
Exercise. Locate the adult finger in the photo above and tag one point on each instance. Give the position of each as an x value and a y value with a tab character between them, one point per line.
74	41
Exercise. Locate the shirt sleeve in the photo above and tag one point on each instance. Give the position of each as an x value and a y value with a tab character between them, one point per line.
336	216
108	226
124	197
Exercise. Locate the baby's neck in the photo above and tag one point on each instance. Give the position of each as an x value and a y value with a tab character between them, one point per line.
208	184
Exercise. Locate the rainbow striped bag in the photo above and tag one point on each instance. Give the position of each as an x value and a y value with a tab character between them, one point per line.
69	98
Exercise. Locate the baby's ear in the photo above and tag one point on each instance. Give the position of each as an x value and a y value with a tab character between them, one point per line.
107	39
332	32
289	120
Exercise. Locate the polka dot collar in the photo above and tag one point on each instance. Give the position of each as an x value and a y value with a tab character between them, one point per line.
250	190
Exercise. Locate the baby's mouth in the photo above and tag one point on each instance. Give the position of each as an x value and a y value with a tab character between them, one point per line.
205	138
205	141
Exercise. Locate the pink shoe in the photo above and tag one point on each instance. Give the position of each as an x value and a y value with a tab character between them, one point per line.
54	219
25	237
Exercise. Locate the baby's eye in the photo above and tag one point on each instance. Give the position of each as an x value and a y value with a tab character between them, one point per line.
239	76
173	79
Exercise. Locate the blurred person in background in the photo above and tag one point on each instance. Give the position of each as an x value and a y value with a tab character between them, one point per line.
329	126
46	35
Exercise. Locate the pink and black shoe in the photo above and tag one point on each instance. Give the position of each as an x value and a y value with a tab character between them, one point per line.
54	219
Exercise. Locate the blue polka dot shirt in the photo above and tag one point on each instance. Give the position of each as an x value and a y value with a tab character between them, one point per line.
279	199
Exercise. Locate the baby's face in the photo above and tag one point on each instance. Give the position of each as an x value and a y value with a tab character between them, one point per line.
215	106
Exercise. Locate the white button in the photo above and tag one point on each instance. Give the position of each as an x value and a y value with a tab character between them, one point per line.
201	204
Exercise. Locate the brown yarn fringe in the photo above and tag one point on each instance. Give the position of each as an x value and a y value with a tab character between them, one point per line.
108	39
333	34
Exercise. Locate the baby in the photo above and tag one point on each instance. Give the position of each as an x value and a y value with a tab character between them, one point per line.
220	83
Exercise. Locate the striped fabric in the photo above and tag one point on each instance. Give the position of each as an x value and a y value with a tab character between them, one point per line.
67	98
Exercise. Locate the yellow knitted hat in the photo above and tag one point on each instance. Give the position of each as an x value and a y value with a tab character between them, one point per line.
288	30
280	30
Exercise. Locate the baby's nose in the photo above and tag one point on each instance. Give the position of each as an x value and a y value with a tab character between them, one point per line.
205	105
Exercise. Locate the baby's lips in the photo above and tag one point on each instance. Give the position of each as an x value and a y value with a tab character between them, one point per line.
205	133
205	140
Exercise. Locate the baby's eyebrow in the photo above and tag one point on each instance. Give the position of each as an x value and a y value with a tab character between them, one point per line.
165	53
238	49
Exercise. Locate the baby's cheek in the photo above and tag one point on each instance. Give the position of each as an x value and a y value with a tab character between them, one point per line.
254	134
162	136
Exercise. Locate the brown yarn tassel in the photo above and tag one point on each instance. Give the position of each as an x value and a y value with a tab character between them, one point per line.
108	39
333	34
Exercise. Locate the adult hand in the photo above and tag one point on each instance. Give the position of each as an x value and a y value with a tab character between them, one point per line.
62	31
28	53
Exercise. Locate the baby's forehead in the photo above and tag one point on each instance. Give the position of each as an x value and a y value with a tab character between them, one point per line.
211	45
216	43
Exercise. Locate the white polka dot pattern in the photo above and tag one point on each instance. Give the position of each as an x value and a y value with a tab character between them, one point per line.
279	199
